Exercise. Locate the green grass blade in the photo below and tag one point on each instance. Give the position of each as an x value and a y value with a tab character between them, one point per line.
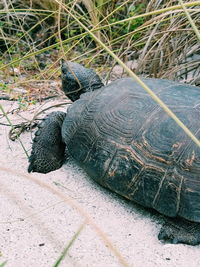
64	253
3	264
152	13
190	20
139	81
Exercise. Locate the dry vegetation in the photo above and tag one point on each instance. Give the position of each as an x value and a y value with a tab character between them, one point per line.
155	39
155	35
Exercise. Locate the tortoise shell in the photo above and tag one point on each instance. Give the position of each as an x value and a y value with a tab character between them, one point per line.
127	143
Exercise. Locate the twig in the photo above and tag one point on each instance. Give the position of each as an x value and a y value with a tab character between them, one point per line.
9	98
9	121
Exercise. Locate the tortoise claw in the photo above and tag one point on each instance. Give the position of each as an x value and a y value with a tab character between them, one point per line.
166	234
180	231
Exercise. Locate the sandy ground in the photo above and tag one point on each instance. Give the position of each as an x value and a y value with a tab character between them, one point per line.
36	225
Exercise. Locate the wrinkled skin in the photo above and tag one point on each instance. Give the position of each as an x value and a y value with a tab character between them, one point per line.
77	80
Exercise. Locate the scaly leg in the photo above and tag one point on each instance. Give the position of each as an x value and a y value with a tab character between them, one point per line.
178	230
48	149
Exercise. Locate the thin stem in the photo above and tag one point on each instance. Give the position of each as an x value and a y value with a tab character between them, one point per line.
190	20
9	121
71	242
139	81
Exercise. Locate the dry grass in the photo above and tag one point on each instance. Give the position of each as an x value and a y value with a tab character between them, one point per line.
172	49
164	44
35	35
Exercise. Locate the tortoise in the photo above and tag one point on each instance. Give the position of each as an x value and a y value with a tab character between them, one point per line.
128	144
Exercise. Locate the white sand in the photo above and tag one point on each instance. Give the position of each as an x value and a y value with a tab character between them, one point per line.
36	226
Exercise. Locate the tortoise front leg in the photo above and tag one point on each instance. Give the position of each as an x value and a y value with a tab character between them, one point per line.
48	150
178	230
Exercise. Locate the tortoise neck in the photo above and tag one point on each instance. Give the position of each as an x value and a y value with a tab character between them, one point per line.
96	86
74	95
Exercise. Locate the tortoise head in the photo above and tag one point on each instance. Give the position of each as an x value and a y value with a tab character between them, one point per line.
76	80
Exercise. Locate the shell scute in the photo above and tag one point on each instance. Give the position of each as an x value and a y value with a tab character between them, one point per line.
126	142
